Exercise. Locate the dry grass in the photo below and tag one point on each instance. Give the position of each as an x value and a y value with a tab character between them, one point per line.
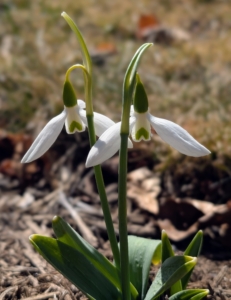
188	82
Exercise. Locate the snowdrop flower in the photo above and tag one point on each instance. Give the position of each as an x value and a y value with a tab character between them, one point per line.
141	122
74	117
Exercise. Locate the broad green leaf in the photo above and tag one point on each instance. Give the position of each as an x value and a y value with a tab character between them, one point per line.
76	267
141	252
195	294
193	249
172	270
167	252
67	235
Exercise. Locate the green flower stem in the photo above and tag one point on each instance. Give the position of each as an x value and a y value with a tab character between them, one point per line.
86	61
85	54
77	66
123	234
87	70
103	198
128	90
99	177
124	268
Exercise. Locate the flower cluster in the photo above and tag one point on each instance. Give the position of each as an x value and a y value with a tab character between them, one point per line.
140	122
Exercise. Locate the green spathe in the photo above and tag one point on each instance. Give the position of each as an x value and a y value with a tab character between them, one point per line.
76	125
140	97
69	97
142	132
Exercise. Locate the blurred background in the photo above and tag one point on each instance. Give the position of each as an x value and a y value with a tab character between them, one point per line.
187	76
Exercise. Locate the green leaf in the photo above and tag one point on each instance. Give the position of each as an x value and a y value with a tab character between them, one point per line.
172	270
67	235
193	249
195	294
167	252
200	296
156	259
76	267
141	252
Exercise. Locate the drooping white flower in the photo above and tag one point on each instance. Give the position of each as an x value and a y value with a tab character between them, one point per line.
75	119
140	124
140	127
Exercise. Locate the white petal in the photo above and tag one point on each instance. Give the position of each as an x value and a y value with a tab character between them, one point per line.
81	103
45	139
101	122
177	137
106	146
132	122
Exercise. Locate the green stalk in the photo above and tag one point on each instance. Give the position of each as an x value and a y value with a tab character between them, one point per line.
128	89
103	198
85	54
99	176
122	195
124	268
87	70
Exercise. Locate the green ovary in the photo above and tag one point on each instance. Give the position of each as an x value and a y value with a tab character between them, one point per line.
142	132
75	125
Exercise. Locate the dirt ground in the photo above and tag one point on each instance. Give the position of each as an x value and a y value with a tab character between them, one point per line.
157	200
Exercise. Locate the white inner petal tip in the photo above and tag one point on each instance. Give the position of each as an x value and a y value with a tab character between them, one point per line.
142	128
73	122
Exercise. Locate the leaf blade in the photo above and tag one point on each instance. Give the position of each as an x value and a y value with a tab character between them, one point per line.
193	249
191	294
66	234
75	267
172	270
167	252
141	252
